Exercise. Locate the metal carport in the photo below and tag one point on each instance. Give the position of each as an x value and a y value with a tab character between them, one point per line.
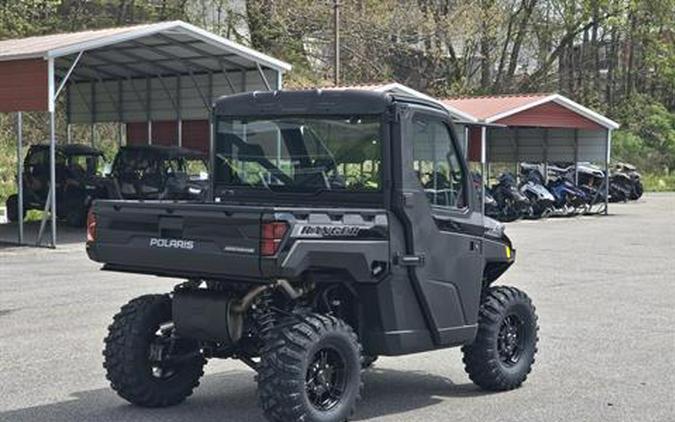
535	127
167	72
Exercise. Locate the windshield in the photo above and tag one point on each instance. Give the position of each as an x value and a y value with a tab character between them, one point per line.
142	162
84	165
300	154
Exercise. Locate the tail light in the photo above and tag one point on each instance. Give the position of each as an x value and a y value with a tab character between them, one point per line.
91	226
273	233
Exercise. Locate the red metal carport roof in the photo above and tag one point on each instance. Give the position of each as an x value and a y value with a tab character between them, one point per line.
535	110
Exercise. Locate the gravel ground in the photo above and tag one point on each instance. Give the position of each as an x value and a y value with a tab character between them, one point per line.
604	292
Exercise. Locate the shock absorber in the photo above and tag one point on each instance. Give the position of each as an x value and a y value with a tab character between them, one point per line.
263	315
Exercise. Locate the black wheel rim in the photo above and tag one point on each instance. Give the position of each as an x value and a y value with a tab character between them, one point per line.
326	379
511	340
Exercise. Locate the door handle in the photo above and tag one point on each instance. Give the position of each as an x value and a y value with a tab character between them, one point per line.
408	199
410	260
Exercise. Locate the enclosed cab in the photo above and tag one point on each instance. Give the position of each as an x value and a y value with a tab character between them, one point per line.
158	172
340	225
78	181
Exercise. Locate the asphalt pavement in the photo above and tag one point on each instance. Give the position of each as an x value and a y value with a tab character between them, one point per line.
604	288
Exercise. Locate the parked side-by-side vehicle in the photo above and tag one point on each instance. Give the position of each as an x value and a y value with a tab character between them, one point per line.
339	226
138	172
78	181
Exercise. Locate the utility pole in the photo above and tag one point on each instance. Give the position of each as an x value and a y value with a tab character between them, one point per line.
336	40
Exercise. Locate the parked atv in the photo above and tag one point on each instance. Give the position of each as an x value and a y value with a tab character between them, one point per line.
630	180
534	188
512	203
78	182
491	206
620	187
305	274
569	199
158	172
592	182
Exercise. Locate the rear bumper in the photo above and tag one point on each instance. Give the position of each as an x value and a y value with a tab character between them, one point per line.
172	263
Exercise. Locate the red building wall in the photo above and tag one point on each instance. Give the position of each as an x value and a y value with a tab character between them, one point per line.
474	144
551	115
195	133
24	85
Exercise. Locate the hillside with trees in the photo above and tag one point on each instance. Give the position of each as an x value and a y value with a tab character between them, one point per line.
615	56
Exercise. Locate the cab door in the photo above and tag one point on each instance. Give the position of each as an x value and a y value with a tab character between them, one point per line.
444	226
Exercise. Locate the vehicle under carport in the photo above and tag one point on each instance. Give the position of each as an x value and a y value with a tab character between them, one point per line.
157	81
541	128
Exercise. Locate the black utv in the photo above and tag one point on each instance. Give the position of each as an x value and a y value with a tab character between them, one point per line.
341	225
158	172
78	181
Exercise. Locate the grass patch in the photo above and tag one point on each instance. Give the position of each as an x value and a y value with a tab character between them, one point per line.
659	182
7	172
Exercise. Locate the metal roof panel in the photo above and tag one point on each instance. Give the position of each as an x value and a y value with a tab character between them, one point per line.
59	45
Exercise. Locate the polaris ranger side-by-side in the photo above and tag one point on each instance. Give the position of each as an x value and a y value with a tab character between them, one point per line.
144	172
78	182
341	226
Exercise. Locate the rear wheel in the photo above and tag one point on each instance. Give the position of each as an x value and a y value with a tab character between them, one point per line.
13	208
503	352
310	371
145	363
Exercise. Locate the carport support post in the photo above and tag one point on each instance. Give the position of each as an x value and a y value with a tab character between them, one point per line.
483	159
545	156
516	138
120	113
179	115
93	113
68	112
148	108
19	172
466	142
576	156
52	171
608	146
52	146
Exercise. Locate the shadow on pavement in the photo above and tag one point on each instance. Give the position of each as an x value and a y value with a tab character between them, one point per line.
65	235
231	396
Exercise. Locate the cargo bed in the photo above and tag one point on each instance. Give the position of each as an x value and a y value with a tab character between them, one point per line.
178	239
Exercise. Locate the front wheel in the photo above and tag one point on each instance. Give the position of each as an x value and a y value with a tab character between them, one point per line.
637	190
145	363
310	371
501	356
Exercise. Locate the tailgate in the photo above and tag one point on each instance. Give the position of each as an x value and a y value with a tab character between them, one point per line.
178	239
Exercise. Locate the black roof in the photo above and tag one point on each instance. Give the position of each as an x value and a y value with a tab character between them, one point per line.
313	101
166	151
71	149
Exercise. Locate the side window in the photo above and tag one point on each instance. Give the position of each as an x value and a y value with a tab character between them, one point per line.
38	157
437	164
